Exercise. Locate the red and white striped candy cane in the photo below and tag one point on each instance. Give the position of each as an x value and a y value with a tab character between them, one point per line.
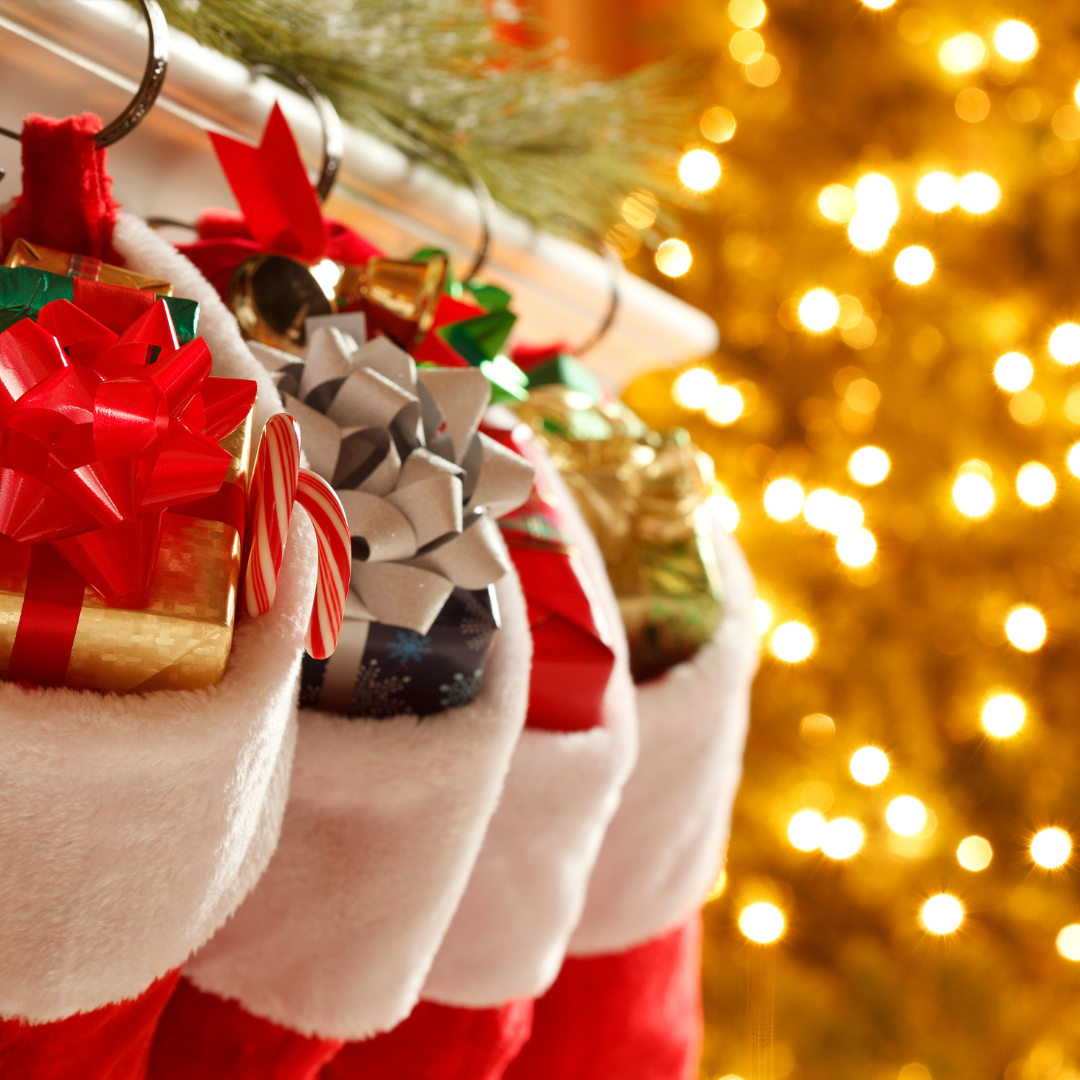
277	482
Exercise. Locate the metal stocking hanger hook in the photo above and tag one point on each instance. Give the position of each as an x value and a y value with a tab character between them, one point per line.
614	268
157	62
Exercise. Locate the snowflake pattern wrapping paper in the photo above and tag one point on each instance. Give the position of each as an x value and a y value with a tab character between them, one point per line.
404	672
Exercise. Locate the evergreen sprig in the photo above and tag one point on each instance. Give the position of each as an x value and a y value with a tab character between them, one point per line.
431	77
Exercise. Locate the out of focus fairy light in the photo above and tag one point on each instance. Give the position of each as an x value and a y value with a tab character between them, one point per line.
718	125
747	46
978	193
1013	372
1068	942
327	274
965	52
937	192
942	914
1003	715
699	170
726	406
914	265
1065	344
806	830
1073	459
763	923
1051	848
867	233
747	13
869	765
673	258
819	310
725	510
905	815
843	838
1025	628
1015	40
762	615
833	513
875	195
973	495
856	548
974	853
792	642
878	5
784	499
869	465
837	203
1035	484
696	388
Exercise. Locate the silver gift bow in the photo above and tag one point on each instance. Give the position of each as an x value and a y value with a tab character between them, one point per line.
420	485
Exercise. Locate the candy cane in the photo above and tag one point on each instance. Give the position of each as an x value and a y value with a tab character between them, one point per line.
324	508
277	483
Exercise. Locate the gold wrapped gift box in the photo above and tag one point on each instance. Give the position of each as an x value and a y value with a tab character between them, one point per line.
23	253
643	496
181	639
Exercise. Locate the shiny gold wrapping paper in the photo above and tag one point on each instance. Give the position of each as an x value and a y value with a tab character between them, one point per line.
181	639
23	253
643	496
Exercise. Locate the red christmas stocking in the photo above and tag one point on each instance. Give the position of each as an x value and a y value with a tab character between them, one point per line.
202	1035
439	1042
635	1015
111	1043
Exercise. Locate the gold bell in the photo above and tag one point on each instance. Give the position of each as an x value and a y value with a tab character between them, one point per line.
401	297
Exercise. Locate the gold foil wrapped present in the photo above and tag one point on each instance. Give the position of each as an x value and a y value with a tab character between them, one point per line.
643	495
181	639
23	253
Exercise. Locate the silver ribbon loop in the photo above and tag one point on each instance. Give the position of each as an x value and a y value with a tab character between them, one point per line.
420	485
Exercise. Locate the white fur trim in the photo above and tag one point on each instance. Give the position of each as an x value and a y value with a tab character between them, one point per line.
131	826
510	934
384	823
665	846
147	253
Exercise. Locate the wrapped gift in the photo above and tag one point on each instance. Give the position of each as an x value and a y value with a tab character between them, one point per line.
40	257
421	489
644	496
121	518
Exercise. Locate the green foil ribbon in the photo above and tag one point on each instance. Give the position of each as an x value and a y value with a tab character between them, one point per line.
644	497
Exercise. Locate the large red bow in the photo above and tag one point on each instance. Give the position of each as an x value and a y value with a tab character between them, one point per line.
101	433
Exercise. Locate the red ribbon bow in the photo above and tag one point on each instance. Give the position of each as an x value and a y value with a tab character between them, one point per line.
101	433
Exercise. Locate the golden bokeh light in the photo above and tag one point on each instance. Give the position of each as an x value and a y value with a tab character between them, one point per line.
763	71
1065	344
1025	628
696	388
1051	848
784	499
747	13
1015	41
819	310
856	548
832	513
1068	942
763	615
718	125
792	642
869	465
673	258
974	853
963	53
868	233
978	193
875	196
1035	484
869	765
937	192
1003	715
817	727
906	815
806	830
878	5
1013	372
762	922
972	105
639	210
942	914
973	495
725	510
726	406
1072	459
914	265
843	837
838	203
699	170
746	46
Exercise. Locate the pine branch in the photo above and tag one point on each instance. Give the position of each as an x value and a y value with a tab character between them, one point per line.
430	77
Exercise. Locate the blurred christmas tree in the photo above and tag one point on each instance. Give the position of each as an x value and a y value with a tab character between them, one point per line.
891	255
